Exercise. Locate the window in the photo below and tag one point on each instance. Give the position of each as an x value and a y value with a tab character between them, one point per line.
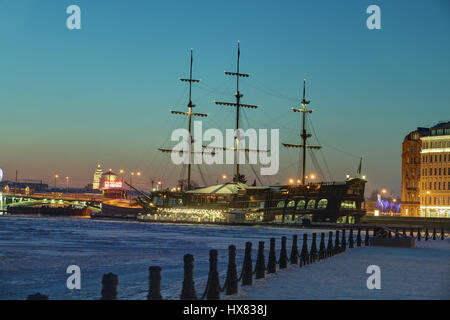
301	205
280	204
347	204
291	203
311	204
322	204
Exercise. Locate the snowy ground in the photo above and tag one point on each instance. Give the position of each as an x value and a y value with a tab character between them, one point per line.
419	273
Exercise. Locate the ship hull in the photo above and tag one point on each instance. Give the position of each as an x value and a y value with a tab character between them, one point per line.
236	203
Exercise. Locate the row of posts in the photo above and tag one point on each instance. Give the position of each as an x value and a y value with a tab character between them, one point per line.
427	235
213	289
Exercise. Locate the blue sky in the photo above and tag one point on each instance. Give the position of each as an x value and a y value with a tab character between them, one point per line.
71	97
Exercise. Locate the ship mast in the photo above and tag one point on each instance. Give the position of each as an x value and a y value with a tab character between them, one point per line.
304	135
238	105
190	114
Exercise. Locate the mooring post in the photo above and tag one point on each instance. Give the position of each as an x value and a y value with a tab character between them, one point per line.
188	289
337	243
282	261
322	246
231	282
247	268
313	251
304	255
109	286
330	244
396	233
418	234
272	263
260	268
350	239
344	242
358	238
213	285
389	234
442	234
37	296
404	232
426	234
434	233
154	283
411	233
294	251
366	238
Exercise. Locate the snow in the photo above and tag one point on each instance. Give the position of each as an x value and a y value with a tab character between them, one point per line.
422	272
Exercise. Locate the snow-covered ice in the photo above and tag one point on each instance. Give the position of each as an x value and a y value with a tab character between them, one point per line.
35	252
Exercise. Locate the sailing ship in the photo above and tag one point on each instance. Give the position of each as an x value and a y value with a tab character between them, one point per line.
237	202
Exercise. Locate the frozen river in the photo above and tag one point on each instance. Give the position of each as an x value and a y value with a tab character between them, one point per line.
35	253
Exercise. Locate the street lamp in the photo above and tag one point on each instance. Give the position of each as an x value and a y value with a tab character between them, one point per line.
56	177
121	172
160	185
291	181
67	184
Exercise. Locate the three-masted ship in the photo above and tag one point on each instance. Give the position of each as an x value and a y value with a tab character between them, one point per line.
237	202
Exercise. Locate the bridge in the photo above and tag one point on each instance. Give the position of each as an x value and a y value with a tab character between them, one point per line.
79	199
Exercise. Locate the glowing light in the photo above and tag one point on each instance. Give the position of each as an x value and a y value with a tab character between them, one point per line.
364	177
291	181
1	174
112	184
383	191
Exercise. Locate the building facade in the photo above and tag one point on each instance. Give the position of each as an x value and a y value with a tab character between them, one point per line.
410	201
435	172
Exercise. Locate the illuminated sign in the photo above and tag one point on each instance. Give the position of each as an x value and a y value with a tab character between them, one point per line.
112	184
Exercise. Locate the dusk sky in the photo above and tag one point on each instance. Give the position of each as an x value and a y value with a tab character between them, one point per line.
69	98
